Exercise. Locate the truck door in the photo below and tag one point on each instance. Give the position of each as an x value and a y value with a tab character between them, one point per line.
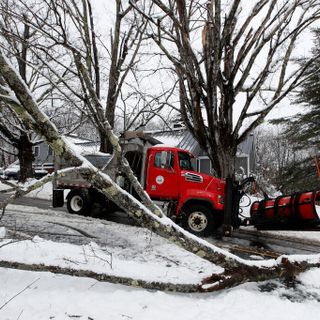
162	175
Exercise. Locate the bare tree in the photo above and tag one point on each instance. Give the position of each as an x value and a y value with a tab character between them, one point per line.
147	108
274	153
230	55
13	130
71	43
236	270
18	39
82	49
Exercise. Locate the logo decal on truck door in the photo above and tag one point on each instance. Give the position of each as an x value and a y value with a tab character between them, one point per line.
159	179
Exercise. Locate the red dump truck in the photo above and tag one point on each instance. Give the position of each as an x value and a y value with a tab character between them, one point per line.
199	201
167	175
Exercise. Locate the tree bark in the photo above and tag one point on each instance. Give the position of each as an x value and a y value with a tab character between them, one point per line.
105	145
26	157
104	277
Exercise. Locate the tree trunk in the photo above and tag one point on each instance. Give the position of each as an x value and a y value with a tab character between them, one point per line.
227	161
105	277
222	153
26	158
105	145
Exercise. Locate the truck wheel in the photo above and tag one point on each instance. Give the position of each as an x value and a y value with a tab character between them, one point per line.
78	201
198	220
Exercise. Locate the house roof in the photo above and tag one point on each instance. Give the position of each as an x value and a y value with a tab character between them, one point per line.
85	146
170	138
189	143
78	140
176	137
182	138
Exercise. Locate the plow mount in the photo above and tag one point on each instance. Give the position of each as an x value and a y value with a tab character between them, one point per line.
299	211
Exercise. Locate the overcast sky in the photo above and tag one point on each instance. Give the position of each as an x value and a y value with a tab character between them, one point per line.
104	11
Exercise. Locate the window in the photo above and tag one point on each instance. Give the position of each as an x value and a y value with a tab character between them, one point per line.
36	151
164	160
204	165
157	160
242	165
185	161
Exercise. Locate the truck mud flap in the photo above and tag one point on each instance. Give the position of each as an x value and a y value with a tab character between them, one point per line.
57	198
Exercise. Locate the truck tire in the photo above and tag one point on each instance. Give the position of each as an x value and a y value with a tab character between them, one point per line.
78	202
199	220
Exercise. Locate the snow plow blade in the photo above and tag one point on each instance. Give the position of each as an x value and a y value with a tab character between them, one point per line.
299	211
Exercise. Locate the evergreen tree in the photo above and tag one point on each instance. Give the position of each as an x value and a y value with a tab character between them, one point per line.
303	130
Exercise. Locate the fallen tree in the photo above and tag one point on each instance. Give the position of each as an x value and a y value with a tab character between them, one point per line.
185	288
215	282
145	213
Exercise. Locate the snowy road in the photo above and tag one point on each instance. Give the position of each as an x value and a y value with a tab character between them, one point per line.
135	251
131	244
125	241
32	202
58	225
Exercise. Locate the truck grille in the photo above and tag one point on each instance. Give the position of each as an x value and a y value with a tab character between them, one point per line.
193	177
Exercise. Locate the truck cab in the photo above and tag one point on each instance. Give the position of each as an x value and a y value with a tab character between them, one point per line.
195	198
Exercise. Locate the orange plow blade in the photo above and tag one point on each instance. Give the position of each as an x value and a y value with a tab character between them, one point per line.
299	211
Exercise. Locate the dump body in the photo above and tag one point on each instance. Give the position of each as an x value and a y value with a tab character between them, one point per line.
73	179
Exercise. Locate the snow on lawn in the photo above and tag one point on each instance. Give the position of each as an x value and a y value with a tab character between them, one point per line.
94	258
42	295
45	192
59	297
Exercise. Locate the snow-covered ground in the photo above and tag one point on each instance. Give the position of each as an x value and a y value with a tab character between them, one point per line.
177	266
59	297
43	295
45	192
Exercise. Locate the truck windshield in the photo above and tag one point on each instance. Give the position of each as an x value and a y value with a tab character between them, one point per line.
185	161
